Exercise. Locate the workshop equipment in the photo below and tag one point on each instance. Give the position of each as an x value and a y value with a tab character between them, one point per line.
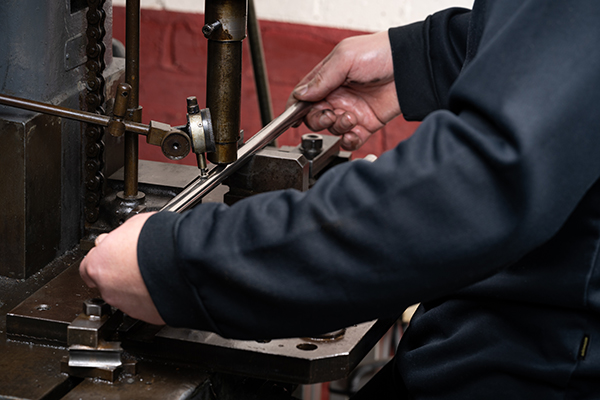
69	175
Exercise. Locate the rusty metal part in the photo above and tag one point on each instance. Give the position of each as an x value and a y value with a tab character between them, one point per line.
259	66
199	188
132	76
224	74
116	127
208	29
232	16
132	51
224	98
175	145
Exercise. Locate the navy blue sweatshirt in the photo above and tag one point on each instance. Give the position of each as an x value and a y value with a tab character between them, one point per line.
489	215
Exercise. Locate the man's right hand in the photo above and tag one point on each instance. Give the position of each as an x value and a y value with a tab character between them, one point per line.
353	90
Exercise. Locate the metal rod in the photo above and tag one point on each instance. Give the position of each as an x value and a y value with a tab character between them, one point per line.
259	66
224	73
63	112
200	187
132	77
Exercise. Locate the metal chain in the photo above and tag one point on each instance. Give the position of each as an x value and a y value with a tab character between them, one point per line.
94	99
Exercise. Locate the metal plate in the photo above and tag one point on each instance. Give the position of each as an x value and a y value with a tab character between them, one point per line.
31	372
153	381
46	314
293	360
286	360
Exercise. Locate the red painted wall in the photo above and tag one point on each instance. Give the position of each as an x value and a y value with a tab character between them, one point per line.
173	67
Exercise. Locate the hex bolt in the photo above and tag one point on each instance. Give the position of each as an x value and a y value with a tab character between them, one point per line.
96	307
312	145
208	29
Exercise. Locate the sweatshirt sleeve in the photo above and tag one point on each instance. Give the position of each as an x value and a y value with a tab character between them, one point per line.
478	186
428	56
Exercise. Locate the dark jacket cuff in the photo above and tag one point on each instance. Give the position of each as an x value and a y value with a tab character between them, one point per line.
415	93
175	298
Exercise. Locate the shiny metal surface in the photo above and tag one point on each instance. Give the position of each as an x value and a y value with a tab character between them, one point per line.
105	355
191	195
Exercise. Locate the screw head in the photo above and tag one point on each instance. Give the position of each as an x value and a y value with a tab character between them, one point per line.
209	29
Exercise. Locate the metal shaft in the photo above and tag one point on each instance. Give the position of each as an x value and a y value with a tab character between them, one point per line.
225	30
194	192
63	112
132	76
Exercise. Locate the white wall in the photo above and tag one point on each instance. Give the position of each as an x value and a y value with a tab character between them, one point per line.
366	15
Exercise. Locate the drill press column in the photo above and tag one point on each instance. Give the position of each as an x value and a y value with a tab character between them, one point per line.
225	29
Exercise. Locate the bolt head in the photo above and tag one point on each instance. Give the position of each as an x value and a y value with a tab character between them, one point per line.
96	307
312	141
312	145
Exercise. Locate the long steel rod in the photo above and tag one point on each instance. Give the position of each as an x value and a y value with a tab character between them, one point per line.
200	187
63	112
132	76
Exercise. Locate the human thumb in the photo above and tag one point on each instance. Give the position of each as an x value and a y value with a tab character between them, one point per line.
330	74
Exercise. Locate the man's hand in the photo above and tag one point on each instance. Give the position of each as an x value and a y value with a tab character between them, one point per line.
112	267
353	89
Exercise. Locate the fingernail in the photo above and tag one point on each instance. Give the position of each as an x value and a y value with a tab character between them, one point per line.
350	141
301	90
346	122
327	118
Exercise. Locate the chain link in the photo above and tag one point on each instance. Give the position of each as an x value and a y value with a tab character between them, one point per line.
94	99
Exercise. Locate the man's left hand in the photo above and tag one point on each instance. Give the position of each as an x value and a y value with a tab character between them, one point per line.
112	267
